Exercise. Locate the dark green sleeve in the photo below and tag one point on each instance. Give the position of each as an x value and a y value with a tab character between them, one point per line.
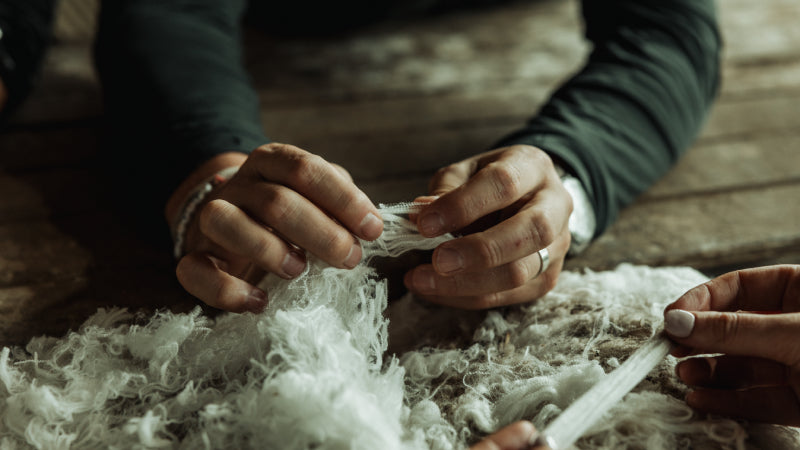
175	89
627	116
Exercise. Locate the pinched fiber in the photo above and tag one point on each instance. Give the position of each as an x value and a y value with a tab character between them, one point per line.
321	368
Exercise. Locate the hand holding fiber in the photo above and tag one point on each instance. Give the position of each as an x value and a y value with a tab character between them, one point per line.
283	202
512	211
753	317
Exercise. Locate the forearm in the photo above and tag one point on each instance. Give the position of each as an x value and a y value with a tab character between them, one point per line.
624	119
175	88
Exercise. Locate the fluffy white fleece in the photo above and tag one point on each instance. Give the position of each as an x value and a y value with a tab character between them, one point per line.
313	371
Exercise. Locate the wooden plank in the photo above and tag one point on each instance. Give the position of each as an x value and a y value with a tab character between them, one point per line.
50	193
761	78
703	232
757	30
67	89
732	164
36	251
456	54
36	147
426	55
54	307
756	116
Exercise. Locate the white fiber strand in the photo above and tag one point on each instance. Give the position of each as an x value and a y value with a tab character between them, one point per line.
331	364
581	415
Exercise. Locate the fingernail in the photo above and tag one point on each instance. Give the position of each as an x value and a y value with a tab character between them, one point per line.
371	227
541	441
431	224
424	280
679	323
293	264
256	301
354	257
448	260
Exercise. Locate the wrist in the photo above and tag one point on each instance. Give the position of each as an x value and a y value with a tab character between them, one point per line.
197	177
582	221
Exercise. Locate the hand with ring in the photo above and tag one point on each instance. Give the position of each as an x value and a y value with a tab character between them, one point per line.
511	212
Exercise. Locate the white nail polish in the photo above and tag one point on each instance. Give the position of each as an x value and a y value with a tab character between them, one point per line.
679	323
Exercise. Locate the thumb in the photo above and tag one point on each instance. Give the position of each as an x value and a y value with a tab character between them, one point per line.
768	336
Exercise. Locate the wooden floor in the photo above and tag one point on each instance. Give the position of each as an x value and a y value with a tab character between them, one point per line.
393	103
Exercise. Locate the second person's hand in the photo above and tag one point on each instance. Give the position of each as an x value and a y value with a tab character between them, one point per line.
753	317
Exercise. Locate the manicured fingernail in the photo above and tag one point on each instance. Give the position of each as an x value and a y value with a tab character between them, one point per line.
293	264
256	301
423	280
431	224
679	323
448	260
371	227
354	257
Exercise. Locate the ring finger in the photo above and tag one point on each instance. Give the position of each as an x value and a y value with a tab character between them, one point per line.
234	230
299	221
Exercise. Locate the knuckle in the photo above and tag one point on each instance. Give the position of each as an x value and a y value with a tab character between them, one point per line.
278	205
222	298
726	328
541	229
519	273
261	247
338	244
270	149
506	180
212	214
489	252
305	169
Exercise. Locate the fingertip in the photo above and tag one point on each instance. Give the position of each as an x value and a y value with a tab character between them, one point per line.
407	280
694	399
681	351
679	323
426	199
371	227
255	302
696	371
353	257
430	223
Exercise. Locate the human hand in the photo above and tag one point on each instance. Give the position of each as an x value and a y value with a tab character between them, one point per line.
510	203
282	201
517	436
753	317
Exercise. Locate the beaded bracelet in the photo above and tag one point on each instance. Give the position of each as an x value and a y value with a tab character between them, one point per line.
189	207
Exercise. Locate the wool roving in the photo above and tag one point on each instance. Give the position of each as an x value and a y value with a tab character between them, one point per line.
313	370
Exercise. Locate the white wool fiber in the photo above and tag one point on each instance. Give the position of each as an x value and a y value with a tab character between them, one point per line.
320	368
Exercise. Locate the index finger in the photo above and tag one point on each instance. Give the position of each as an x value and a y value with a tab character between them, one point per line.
322	183
772	288
512	175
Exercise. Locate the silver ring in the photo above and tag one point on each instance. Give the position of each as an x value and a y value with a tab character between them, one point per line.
544	259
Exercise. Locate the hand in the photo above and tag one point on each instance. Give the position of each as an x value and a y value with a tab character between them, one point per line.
282	200
517	436
510	204
758	330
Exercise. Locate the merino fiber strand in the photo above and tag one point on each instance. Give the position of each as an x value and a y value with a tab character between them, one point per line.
330	364
581	415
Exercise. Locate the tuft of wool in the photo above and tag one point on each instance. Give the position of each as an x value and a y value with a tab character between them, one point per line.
321	368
